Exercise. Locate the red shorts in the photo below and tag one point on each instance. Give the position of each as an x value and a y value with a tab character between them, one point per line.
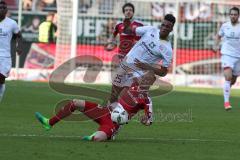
101	116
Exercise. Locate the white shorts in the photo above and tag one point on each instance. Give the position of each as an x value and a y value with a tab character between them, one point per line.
5	66
232	62
124	76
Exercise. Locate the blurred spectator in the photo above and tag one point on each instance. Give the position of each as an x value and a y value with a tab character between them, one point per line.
12	4
39	4
27	4
33	27
44	4
84	5
47	29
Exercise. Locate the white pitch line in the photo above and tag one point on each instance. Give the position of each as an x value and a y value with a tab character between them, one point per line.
146	138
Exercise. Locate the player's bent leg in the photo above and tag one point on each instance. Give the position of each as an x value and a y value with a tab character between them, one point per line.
2	86
80	104
227	87
98	136
228	73
116	90
64	112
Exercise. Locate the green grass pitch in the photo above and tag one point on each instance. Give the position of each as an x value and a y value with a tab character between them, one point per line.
190	124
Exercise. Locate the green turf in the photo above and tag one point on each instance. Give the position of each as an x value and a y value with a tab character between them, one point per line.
190	124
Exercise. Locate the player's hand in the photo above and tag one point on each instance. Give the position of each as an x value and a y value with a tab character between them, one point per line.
110	47
141	65
145	120
215	48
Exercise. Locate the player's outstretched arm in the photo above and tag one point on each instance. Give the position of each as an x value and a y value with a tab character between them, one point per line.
157	69
111	44
216	45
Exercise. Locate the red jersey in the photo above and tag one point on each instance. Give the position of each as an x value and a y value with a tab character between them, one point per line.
126	41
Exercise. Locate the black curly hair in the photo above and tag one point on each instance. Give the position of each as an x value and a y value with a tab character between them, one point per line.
170	18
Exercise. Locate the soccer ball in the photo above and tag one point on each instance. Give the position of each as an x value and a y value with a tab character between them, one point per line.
119	115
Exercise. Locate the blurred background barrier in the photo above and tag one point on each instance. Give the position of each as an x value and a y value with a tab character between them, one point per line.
84	27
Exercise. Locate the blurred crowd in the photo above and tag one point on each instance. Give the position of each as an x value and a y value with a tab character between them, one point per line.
33	5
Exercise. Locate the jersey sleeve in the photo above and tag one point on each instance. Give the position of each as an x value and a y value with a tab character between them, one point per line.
221	31
140	31
15	28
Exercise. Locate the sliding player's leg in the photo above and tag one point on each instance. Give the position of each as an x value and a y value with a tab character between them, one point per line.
64	112
106	131
90	109
97	136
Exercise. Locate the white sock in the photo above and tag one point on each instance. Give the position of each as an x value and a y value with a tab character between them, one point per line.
226	90
2	89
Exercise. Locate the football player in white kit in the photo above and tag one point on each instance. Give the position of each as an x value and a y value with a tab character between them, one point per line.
8	30
229	33
153	47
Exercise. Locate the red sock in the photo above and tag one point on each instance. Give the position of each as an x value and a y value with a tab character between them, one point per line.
64	112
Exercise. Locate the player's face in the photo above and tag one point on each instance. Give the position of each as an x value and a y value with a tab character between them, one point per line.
234	16
166	28
128	12
3	11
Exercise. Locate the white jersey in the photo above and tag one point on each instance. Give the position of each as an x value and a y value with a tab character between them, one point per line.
149	49
231	39
8	27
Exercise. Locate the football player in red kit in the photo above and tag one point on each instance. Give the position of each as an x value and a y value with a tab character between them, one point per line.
127	40
131	101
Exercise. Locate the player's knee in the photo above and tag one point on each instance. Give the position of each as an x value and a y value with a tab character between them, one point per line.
79	103
228	77
115	93
228	74
233	80
152	79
